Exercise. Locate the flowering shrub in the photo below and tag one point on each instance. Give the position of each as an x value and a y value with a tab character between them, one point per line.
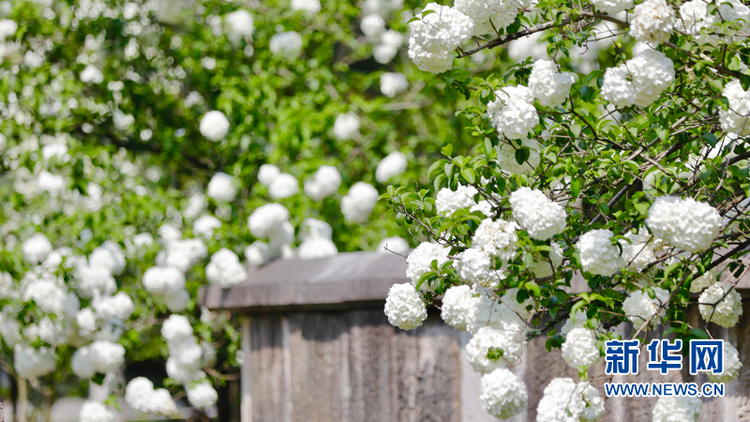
612	148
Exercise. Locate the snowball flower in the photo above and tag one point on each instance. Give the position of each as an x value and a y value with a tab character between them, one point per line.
7	28
432	38
266	219
92	411
503	394
267	173
182	254
653	22
579	349
316	247
92	75
393	83
638	81
176	328
325	182
240	23
258	253
640	308
491	348
473	265
372	26
390	42
160	280
420	260
33	363
732	365
346	126
721	304
449	201
283	186
704	280
612	6
106	356
358	203
458	303
505	314
202	395
86	321
309	6
225	269
36	248
177	301
140	395
598	254
512	112
506	156
214	126
677	409
48	295
736	119
287	44
395	244
393	165
496	238
109	255
119	306
222	187
539	215
501	13
548	85
205	225
564	400
81	364
404	308
684	223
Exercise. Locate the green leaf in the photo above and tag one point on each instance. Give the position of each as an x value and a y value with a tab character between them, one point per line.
447	150
468	175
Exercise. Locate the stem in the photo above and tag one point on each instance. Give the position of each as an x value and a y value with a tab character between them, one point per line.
23	401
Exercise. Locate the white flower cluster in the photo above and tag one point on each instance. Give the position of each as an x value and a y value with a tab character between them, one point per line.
694	16
240	25
677	409
36	248
33	363
316	240
404	307
214	126
309	6
120	306
684	223
93	411
737	119
286	44
269	221
387	49
473	265
222	188
141	395
395	244
393	83
92	75
612	6
202	395
168	282
512	112
346	126
564	400
721	304
449	201
548	85
640	308
598	254
639	253
266	174
536	213
732	365
433	37
457	306
496	238
420	259
488	14
100	356
358	203
639	81
324	183
205	225
506	156
492	348
503	394
393	165
505	315
704	280
225	269
579	349
182	254
653	22
47	291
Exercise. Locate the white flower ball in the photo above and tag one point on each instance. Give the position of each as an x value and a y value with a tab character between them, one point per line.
677	409
496	238
119	306
7	28
183	254
653	22
473	265
283	186
36	248
177	301
372	26
704	280
81	363
202	395
346	126
266	219
420	259
448	201
168	233
432	38
579	349
267	173
492	348
617	88
33	363
564	400
612	6
732	365
317	247
457	306
548	85
86	321
640	308
390	42
539	215
735	120
240	23
392	84
404	308
109	255
358	203
140	395
684	223
512	112
721	304
309	6
176	328
258	253
324	183
92	75
205	225
214	126
161	280
488	311
106	356
598	254
48	294
225	269
286	44
395	244
503	394
222	188
312	228
393	165
501	13
92	411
